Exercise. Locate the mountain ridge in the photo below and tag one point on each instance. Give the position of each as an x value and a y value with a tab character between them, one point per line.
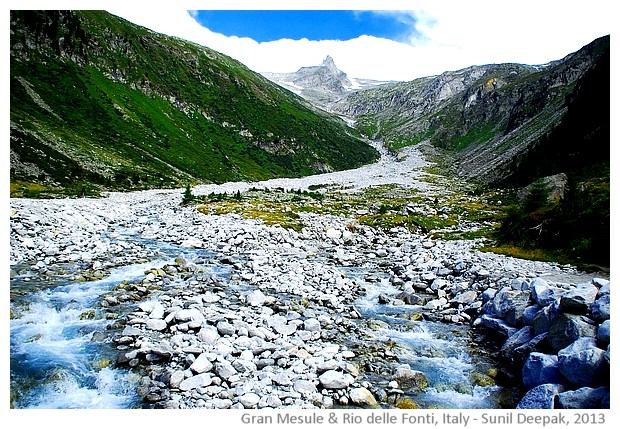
322	84
485	116
98	100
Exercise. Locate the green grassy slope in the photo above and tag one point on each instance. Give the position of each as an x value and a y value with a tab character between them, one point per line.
98	100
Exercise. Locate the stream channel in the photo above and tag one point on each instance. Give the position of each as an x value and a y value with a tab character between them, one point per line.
62	354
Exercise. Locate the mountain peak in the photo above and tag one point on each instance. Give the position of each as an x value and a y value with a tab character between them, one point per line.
330	64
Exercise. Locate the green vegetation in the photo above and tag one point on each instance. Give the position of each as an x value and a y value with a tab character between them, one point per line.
120	107
575	229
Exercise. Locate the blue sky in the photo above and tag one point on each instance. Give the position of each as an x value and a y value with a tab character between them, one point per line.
383	40
272	25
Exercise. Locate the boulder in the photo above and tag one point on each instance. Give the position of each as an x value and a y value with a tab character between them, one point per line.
542	320
603	334
600	309
333	379
522	336
270	401
201	364
362	397
537	344
509	304
256	298
305	387
583	363
529	313
189	315
225	328
200	380
498	326
225	370
408	378
543	293
312	325
584	398
567	328
540	397
156	324
466	297
249	400
540	368
578	300
176	378
410	298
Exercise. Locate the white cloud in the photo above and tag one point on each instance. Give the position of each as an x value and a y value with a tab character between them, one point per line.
446	36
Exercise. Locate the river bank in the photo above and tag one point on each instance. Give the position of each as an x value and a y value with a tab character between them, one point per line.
222	311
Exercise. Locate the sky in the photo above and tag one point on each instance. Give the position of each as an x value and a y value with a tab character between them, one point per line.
384	40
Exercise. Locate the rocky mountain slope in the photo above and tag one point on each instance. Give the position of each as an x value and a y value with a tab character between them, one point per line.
322	84
489	116
99	101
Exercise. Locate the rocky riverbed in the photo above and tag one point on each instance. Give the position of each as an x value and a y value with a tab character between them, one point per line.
235	313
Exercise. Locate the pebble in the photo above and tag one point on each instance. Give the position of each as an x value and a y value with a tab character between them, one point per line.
271	334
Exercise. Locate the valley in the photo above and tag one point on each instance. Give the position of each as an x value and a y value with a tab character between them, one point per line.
284	252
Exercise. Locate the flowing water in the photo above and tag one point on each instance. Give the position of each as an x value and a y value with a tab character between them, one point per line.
56	361
456	367
62	357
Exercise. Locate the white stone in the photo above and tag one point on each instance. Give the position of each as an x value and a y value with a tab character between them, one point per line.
333	379
201	364
249	400
362	396
156	324
200	380
333	233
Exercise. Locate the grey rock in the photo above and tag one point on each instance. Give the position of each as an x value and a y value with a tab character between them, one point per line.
225	370
567	328
410	298
244	366
189	315
488	294
509	305
578	300
466	297
541	321
269	401
408	378
176	378
601	308
538	343
130	331
156	324
305	387
312	325
435	304
225	328
497	325
208	334
602	284
584	398
543	293
540	397
519	338
603	334
529	313
282	379
583	363
256	298
540	368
